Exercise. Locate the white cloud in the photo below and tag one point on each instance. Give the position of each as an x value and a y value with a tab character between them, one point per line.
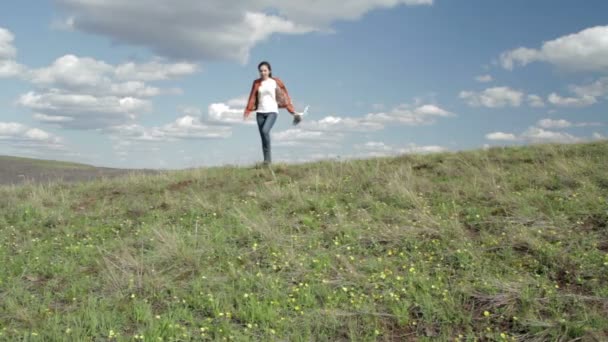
495	97
240	102
583	101
84	111
7	50
501	136
85	93
23	137
186	127
328	131
380	149
598	136
300	137
584	95
154	70
520	55
484	78
539	135
550	123
404	114
375	146
52	119
534	135
225	113
535	101
586	50
340	124
8	66
70	72
213	29
423	149
543	134
599	88
91	76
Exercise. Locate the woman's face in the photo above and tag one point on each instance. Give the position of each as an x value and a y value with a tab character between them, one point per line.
264	72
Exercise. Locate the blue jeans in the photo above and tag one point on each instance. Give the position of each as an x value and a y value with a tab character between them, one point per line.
265	123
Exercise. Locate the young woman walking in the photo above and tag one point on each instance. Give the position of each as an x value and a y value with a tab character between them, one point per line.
267	95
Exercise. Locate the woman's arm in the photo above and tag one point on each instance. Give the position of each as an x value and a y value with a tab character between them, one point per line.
286	103
251	102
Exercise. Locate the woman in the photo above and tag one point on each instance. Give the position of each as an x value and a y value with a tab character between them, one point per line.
267	95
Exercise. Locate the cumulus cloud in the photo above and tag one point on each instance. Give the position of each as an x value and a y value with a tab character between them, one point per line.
88	75
583	95
303	138
403	114
380	149
484	78
23	137
535	135
545	130
586	50
341	124
155	70
406	115
230	112
598	88
83	111
550	123
561	123
52	118
501	136
7	50
8	66
535	101
209	30
85	93
330	130
539	135
496	97
582	101
186	127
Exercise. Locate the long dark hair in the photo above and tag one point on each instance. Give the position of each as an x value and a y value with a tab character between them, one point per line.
267	65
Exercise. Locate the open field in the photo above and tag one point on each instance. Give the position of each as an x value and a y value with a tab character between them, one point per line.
505	244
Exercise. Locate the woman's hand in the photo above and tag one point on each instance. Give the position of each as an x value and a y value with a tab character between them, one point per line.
297	117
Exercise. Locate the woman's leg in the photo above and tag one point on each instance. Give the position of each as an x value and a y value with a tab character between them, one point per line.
265	123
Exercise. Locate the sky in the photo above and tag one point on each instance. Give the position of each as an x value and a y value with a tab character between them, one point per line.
163	84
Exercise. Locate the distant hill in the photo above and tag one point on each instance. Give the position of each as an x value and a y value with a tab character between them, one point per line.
16	170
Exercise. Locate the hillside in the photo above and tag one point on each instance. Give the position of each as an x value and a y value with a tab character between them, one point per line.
505	244
17	170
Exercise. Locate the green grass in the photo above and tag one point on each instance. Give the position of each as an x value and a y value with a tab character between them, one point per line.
502	244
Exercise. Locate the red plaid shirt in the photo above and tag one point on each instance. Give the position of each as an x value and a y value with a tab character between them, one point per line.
282	96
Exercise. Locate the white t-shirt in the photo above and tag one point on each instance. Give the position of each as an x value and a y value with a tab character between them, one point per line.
267	102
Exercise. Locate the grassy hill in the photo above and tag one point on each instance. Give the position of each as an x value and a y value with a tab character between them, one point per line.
17	170
505	244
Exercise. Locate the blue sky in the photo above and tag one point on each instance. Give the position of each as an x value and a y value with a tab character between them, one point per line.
162	84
